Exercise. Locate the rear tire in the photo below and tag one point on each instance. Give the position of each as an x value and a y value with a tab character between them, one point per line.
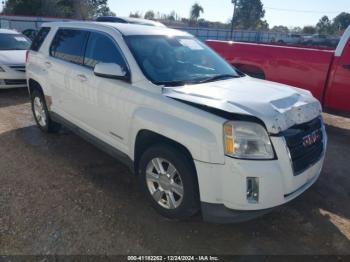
168	179
41	113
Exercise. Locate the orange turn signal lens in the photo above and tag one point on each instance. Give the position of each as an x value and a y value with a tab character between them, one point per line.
229	146
228	129
229	141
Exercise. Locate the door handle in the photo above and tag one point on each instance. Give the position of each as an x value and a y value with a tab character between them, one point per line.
82	78
347	66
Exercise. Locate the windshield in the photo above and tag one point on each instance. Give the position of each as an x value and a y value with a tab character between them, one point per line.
175	61
13	42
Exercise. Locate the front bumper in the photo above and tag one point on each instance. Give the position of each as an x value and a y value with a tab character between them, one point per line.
9	86
223	188
13	77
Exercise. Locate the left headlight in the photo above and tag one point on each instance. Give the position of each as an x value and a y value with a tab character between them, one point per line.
1	69
247	140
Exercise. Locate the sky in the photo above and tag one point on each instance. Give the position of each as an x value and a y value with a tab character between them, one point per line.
278	12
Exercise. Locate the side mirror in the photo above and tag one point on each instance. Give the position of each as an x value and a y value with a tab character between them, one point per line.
111	70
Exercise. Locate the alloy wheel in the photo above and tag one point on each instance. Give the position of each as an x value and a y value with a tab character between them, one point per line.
39	111
164	183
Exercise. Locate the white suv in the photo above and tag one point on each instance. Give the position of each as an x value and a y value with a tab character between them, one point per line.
198	134
13	48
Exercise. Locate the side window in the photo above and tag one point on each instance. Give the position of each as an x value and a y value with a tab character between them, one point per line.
69	44
100	48
40	38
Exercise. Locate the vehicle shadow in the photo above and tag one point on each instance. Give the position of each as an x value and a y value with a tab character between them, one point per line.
335	179
12	97
74	199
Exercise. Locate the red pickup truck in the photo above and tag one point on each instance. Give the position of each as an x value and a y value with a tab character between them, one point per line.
326	73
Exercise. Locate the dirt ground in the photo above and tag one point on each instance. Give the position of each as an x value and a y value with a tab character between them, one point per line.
61	195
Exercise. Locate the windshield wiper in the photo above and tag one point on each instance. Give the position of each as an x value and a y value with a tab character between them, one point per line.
196	81
218	77
175	83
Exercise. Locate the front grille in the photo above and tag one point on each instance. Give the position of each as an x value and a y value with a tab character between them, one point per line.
15	81
305	144
19	68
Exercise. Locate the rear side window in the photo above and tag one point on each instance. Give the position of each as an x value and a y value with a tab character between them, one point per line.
101	48
40	38
69	45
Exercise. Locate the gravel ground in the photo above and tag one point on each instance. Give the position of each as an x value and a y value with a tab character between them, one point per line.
61	195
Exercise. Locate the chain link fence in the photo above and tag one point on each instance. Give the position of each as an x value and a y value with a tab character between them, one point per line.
22	23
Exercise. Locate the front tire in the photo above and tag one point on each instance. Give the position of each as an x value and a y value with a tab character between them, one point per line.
41	113
168	179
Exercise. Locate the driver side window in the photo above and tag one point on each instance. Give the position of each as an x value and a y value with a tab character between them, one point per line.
101	48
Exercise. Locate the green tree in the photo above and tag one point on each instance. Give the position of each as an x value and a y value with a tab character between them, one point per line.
173	16
86	9
262	25
324	26
249	14
196	11
79	9
309	29
341	22
136	14
280	28
296	29
149	15
23	7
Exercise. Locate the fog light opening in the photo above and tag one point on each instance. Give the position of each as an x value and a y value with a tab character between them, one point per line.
253	190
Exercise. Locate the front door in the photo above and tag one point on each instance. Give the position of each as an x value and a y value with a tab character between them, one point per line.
100	99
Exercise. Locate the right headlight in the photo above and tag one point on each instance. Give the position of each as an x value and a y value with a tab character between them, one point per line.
247	140
1	69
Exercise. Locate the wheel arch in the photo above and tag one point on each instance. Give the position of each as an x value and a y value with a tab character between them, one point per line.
146	138
34	85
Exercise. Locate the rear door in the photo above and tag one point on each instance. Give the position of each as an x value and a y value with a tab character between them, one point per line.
36	61
66	56
338	92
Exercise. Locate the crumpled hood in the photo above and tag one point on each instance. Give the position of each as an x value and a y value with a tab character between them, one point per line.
278	106
13	57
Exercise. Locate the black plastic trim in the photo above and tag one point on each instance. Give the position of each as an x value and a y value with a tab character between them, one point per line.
304	157
125	78
220	214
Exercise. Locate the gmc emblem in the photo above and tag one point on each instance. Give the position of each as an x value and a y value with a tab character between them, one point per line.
312	138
